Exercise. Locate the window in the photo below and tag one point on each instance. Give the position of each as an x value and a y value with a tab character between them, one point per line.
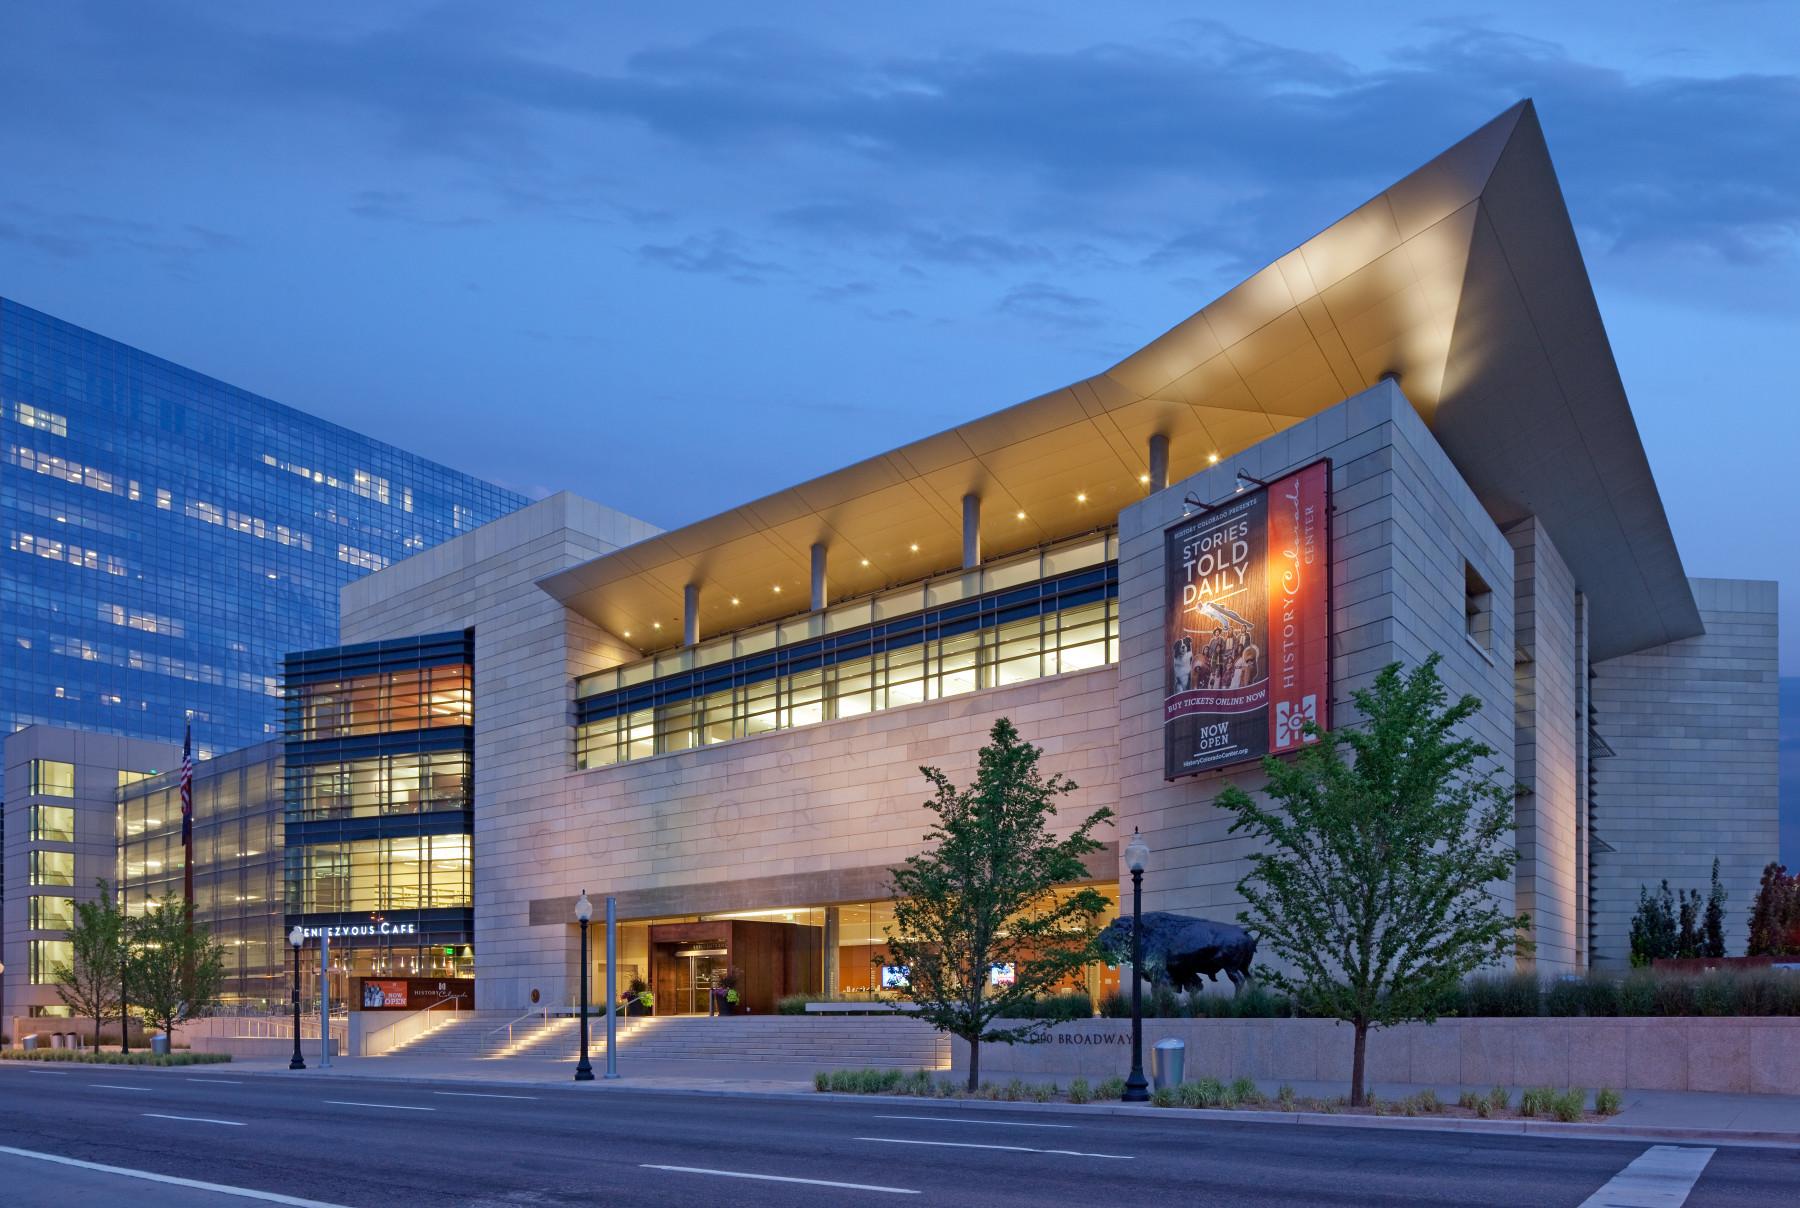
1478	609
417	699
52	868
52	824
421	873
45	956
391	784
127	779
1022	633
51	913
42	420
52	778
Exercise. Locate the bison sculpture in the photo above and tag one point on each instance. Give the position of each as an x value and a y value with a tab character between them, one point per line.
1179	950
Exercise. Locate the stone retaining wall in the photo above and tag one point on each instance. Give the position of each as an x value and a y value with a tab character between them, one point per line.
1755	1055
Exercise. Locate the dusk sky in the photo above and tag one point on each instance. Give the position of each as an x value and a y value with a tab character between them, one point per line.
675	258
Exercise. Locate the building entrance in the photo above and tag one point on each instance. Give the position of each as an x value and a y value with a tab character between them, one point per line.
697	971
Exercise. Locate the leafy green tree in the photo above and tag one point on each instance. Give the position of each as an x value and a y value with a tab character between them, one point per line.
994	891
176	968
1713	943
89	981
1687	938
1654	932
1372	879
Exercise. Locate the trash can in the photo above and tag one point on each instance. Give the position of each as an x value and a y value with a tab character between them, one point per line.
159	1045
1168	1062
31	1042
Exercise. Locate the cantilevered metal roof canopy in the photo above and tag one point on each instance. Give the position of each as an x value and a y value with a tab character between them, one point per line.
1464	280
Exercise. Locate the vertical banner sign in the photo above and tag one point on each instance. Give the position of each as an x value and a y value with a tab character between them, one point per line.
1247	625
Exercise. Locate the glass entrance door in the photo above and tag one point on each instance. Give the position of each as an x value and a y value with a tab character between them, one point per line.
697	970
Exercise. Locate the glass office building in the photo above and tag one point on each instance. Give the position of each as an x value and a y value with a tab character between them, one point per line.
168	537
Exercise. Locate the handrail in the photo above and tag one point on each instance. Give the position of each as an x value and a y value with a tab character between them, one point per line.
408	1027
507	1027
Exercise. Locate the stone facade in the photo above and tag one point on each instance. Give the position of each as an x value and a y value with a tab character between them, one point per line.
1748	1055
1548	666
1405	532
1693	772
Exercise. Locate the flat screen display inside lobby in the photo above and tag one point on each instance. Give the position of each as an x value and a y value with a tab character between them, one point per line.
1247	625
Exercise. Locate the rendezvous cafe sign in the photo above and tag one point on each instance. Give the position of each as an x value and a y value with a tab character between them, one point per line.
379	930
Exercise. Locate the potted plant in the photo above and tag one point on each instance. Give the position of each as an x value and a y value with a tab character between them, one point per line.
725	993
638	1000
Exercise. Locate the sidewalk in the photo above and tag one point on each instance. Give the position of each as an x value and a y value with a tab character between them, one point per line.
1657	1115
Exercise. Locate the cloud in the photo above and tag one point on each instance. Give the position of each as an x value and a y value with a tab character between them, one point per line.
77	234
717	253
1041	303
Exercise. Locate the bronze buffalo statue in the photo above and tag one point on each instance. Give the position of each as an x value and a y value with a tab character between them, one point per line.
1179	950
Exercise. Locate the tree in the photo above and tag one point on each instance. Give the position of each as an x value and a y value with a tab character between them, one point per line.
1654	934
89	981
1713	943
1372	882
993	893
1775	916
1687	939
176	967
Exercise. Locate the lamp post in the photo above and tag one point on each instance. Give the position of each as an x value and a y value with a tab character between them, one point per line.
584	910
1137	854
296	937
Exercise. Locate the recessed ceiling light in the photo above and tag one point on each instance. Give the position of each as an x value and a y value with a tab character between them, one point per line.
734	600
1081	498
1144	478
778	589
628	633
1212	459
656	624
1021	515
865	561
915	547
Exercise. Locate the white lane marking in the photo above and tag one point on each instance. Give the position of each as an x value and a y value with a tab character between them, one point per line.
480	1095
268	1197
52	1073
780	1178
964	1120
393	1107
221	1081
193	1119
114	1086
1072	1153
1660	1177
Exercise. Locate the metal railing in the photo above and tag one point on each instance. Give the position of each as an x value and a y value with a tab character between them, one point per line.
489	1041
411	1026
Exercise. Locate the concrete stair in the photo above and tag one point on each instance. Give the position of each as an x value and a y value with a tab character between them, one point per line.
480	1034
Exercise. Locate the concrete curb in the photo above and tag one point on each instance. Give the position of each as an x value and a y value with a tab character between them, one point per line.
1549	1129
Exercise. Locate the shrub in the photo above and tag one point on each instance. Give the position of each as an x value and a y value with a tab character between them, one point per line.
90	1057
1536	1101
1716	994
1499	1098
1111	1089
822	1080
1637	993
1483	1108
1429	1101
1500	995
1285	1097
792	1004
1243	1090
1044	1094
1072	1004
1674	996
1164	1096
1769	992
1079	1091
1567	1107
1469	1100
1373	1102
1015	1091
1189	1093
1606	1101
1566	996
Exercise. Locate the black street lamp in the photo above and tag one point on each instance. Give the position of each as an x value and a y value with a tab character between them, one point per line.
1137	854
296	937
584	910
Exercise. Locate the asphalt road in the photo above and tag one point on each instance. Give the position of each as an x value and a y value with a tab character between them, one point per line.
366	1142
